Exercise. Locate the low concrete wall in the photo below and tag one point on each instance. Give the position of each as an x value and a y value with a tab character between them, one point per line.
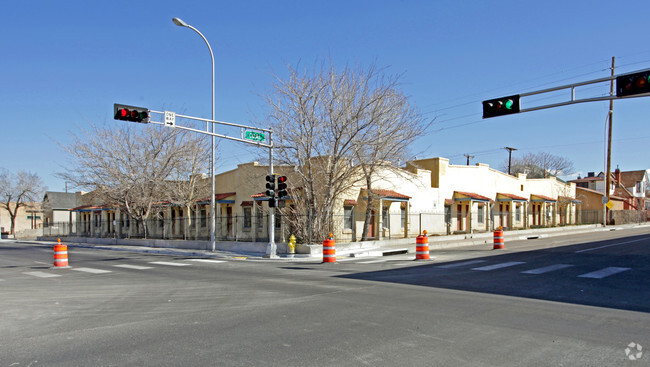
245	247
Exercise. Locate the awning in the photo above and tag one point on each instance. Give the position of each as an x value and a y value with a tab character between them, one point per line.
541	199
470	196
510	197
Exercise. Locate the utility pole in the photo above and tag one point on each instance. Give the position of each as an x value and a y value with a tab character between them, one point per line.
609	146
468	157
509	157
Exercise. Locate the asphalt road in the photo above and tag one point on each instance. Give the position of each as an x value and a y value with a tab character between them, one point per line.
566	301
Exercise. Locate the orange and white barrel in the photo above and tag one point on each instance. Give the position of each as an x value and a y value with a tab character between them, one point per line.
422	247
329	252
60	255
499	244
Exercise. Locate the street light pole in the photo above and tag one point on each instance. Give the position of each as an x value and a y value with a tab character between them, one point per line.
181	23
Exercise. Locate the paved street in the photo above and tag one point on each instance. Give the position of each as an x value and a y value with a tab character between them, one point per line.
567	301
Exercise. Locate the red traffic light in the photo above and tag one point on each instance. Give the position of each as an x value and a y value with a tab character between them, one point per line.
130	113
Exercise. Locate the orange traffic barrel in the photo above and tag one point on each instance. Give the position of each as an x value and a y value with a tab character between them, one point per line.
498	239
422	247
60	255
329	252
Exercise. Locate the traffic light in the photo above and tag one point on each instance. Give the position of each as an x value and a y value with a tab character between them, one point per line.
501	106
270	190
282	187
632	84
131	113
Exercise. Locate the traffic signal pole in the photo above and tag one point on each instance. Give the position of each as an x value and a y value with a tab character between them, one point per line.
258	138
629	85
609	145
271	248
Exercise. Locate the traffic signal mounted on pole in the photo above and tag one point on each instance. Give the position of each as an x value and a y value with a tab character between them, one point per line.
131	113
632	84
282	187
501	106
270	190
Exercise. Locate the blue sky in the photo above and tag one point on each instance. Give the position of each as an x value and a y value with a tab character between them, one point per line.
65	63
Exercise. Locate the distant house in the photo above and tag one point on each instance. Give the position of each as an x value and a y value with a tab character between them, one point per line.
637	184
56	208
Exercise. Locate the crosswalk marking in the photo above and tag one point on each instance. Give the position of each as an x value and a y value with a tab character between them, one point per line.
135	267
91	270
499	266
168	263
207	261
464	263
41	274
547	269
602	273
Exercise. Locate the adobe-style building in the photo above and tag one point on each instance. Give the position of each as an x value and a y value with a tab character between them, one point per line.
426	194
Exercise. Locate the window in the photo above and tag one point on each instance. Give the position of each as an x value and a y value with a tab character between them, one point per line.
278	219
639	187
518	213
37	217
260	218
247	217
384	217
204	218
447	214
481	213
402	218
348	217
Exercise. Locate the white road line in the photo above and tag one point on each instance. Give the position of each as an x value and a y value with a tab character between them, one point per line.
613	244
499	266
42	274
91	270
207	261
464	263
135	267
168	263
602	273
547	269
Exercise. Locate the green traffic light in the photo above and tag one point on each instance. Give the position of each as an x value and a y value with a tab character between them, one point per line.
509	104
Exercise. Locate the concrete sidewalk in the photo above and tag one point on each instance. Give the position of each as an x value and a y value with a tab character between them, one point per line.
352	249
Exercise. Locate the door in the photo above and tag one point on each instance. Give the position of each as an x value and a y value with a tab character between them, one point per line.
459	217
229	221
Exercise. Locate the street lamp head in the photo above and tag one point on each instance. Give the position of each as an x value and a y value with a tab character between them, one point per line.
179	22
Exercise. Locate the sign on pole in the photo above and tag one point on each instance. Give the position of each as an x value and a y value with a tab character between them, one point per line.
170	118
255	136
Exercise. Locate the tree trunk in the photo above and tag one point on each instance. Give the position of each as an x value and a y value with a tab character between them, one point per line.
369	206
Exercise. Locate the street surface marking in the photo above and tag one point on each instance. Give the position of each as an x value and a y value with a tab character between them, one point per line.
602	273
207	261
464	263
167	263
547	269
613	244
135	267
42	274
499	266
91	270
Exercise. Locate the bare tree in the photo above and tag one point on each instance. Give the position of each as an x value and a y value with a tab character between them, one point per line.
322	121
137	168
540	165
17	191
395	125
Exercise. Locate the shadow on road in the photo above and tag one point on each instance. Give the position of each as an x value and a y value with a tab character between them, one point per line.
626	290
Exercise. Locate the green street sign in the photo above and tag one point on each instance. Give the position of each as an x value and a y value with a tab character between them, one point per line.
255	136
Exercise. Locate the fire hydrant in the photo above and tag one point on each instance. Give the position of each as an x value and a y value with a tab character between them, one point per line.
292	245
